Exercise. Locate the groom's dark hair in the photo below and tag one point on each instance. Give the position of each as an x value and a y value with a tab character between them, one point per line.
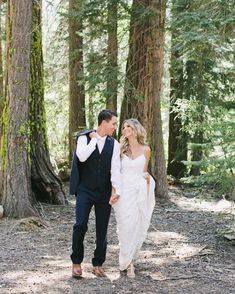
106	114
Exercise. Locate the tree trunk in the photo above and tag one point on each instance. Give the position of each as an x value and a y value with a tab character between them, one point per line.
77	119
144	80
1	69
196	153
45	184
17	196
233	193
1	101
196	89
177	141
90	114
112	72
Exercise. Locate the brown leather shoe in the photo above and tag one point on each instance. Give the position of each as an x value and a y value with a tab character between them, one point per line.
98	271
76	271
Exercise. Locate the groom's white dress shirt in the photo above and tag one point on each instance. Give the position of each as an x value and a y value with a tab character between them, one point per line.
84	150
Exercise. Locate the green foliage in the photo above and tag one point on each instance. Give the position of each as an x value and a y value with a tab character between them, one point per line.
94	17
203	40
56	83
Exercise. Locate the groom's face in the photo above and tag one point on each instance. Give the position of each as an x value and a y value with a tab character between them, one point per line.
110	126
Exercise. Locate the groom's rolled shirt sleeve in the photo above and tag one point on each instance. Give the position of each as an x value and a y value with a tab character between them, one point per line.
116	168
84	150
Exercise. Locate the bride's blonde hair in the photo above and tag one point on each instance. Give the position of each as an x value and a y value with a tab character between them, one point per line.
139	132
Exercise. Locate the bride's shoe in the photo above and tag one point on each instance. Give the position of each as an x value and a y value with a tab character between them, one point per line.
131	271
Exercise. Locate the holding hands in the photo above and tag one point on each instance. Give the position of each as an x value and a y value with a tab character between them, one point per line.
113	199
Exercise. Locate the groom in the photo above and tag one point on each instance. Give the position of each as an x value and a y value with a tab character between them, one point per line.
94	180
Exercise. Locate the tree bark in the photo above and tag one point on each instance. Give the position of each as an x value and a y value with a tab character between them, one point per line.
144	80
45	184
196	89
233	193
196	153
17	196
77	119
177	141
112	72
1	101
1	69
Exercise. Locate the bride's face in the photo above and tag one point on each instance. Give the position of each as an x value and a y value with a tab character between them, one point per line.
127	131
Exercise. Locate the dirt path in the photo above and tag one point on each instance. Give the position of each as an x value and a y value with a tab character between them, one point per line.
184	252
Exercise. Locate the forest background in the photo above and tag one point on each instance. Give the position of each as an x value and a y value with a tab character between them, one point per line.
169	64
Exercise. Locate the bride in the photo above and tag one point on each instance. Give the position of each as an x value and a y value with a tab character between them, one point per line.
134	208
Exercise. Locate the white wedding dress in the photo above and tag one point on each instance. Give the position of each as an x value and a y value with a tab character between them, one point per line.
134	209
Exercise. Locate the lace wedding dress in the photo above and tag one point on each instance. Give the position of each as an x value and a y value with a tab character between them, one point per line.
134	209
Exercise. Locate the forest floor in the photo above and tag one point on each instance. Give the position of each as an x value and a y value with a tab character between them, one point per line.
185	251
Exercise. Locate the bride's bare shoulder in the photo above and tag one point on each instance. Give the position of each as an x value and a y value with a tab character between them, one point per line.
147	151
146	148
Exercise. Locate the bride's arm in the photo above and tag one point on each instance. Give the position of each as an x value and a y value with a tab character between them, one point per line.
147	154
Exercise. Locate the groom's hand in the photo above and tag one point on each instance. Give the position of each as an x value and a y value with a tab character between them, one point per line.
93	135
113	199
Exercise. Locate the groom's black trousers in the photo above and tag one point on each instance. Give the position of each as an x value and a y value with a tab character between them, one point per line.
84	203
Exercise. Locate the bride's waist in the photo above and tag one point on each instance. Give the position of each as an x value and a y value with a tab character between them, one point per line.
132	176
133	179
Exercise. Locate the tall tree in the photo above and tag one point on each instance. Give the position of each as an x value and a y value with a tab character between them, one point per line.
177	140
1	100
77	119
144	79
1	67
28	174
45	184
196	81
17	195
204	44
112	69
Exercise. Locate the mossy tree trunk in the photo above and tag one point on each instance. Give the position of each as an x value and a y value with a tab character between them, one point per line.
28	174
17	192
1	68
77	118
1	102
144	80
45	184
112	70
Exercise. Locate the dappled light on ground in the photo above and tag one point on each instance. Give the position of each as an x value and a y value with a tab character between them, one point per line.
183	252
221	206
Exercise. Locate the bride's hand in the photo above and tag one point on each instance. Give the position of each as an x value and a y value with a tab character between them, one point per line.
147	177
113	199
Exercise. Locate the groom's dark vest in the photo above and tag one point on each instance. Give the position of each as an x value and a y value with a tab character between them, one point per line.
93	174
